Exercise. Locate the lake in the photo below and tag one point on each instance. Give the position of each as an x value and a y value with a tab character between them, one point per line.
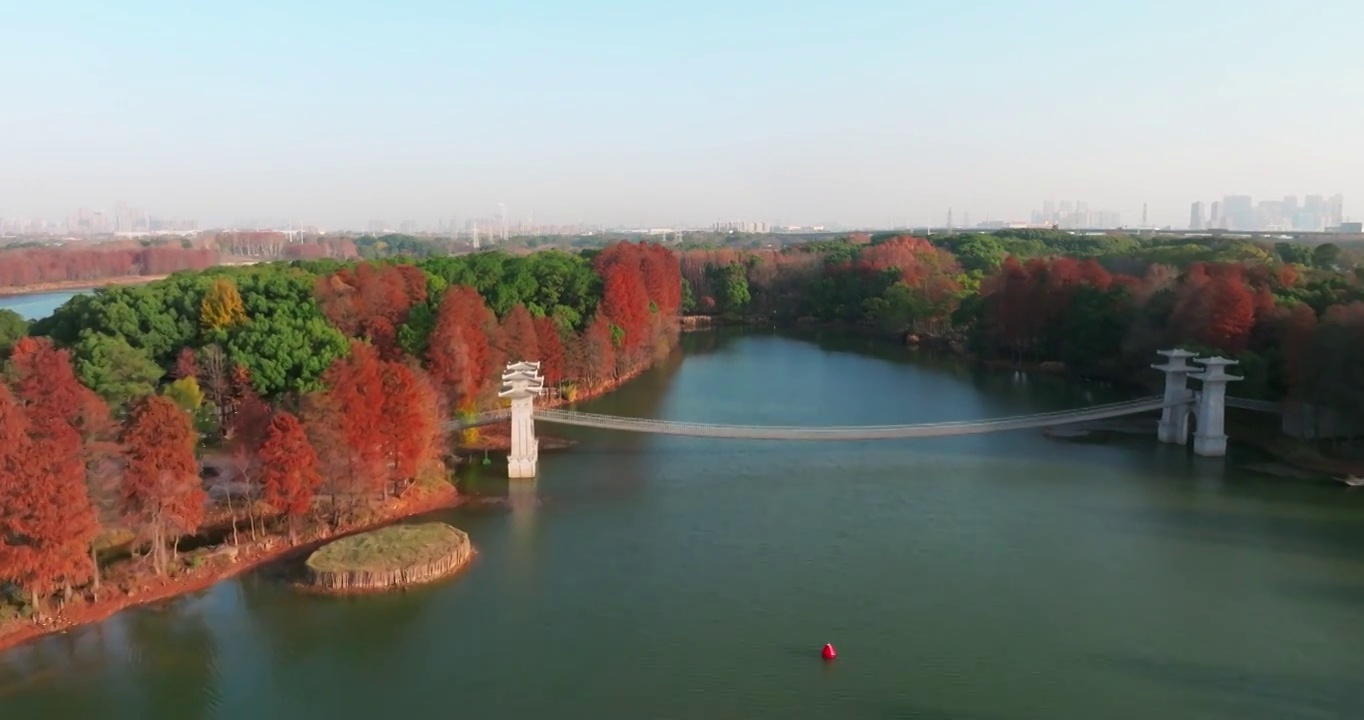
988	577
38	305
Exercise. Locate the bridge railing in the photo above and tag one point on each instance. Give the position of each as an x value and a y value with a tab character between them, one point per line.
855	432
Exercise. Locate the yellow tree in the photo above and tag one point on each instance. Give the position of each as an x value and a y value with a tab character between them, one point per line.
222	306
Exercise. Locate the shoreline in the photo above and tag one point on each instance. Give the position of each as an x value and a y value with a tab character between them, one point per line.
497	436
78	285
249	556
1286	450
267	550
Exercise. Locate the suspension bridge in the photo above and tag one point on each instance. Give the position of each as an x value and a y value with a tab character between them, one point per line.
806	433
1181	408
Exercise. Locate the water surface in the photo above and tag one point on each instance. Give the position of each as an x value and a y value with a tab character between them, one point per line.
987	577
38	305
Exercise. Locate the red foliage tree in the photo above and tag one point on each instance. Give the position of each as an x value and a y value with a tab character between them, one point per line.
186	364
370	301
519	336
30	266
66	420
625	303
598	351
289	477
356	385
162	493
409	426
552	360
459	356
250	418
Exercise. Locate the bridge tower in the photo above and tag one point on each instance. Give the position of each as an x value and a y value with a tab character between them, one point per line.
522	383
1174	417
1210	440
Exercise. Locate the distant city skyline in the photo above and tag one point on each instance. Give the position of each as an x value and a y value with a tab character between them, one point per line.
1316	212
600	113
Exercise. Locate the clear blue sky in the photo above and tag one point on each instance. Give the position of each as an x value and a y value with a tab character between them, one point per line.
646	112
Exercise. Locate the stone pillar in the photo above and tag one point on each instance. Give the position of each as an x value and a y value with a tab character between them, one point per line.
1210	438
1174	417
523	383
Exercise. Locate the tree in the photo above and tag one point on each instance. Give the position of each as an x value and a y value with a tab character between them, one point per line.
519	336
222	307
186	364
119	372
250	417
66	420
551	354
186	394
12	327
289	477
162	493
409	425
598	351
356	391
1325	255
458	354
732	293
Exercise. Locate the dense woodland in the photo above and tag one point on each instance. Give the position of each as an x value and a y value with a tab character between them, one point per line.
1293	314
324	386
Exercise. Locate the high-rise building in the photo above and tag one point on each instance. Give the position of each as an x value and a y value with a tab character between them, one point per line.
1196	216
1335	210
1239	212
1215	216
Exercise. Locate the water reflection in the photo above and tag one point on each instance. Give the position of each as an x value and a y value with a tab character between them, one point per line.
523	496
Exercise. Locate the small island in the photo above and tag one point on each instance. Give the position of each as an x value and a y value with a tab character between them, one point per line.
394	557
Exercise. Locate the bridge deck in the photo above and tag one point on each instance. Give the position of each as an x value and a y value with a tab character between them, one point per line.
857	432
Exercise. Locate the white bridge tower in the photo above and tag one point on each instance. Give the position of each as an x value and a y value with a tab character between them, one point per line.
1210	438
1208	406
522	383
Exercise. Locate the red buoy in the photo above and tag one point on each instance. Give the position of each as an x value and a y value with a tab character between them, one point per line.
828	653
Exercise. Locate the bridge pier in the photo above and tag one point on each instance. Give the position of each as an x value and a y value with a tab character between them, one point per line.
1174	417
523	383
1210	439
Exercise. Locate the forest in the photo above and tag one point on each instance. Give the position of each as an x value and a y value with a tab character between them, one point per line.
1291	313
322	385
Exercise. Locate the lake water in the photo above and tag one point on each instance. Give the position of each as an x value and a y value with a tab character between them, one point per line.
989	577
40	305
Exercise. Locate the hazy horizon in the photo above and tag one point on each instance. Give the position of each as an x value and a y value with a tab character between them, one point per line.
615	113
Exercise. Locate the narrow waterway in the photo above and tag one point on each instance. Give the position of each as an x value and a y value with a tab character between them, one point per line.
37	305
988	577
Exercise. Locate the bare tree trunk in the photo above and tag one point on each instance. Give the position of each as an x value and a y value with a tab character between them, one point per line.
158	551
94	562
232	511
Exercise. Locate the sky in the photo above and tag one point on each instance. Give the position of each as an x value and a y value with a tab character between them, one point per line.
679	113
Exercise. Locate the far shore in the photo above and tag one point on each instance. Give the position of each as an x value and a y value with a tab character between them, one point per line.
77	285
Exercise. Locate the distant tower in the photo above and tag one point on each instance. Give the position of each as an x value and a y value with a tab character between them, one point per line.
1143	215
502	211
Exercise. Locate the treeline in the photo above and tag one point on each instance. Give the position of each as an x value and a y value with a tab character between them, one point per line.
323	386
32	266
1292	314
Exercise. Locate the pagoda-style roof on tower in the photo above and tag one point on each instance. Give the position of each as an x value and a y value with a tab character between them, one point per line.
521	392
522	376
523	365
1214	368
1178	358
